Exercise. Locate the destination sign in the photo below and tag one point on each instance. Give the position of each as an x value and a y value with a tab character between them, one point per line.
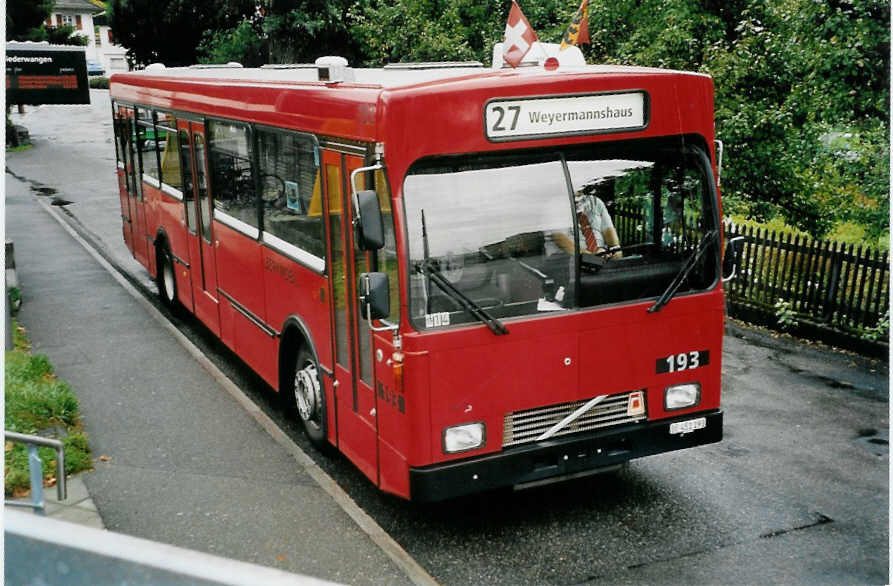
46	74
572	115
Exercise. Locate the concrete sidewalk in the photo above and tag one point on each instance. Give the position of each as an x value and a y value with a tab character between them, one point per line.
77	508
182	462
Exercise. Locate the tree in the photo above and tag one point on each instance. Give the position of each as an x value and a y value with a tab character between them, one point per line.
446	30
169	31
801	86
23	16
58	35
802	93
283	31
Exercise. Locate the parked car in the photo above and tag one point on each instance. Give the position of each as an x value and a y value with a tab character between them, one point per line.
94	68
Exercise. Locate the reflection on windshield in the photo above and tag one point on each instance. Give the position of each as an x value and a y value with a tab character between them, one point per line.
516	238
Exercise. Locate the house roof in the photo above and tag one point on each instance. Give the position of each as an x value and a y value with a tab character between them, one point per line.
83	6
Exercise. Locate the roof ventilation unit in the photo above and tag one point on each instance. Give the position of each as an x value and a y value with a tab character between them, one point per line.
333	69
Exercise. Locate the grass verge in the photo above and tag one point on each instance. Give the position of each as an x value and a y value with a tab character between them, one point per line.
38	403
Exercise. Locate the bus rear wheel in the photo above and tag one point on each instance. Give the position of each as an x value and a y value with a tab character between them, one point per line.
309	398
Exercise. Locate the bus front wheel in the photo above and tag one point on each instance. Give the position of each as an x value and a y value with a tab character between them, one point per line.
166	279
309	398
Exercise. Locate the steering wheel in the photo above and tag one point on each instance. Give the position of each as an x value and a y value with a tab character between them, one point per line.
269	187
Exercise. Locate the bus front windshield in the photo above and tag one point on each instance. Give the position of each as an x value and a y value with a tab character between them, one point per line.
532	232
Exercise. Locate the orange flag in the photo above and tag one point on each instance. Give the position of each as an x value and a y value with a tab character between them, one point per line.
578	31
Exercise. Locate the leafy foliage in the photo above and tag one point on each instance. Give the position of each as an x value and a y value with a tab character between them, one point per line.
785	315
58	35
433	30
802	86
169	31
284	31
790	75
99	83
26	21
23	16
35	400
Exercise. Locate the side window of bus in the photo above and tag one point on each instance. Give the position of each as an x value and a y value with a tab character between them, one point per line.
201	181
186	168
125	135
147	145
169	147
232	179
117	130
290	189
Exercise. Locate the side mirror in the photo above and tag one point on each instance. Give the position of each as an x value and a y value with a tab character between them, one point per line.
369	225
731	260
374	295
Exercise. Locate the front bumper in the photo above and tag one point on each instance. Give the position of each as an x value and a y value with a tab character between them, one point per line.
559	457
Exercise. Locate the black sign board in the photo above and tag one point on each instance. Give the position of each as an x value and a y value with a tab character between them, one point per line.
46	74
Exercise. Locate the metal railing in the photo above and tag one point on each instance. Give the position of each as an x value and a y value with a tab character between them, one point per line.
35	469
841	287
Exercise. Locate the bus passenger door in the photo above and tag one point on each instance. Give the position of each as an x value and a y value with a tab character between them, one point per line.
201	230
355	399
134	232
135	191
125	177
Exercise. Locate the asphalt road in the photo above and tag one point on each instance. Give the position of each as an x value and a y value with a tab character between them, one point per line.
797	492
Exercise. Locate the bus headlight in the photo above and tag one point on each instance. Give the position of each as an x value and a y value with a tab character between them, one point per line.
682	396
462	438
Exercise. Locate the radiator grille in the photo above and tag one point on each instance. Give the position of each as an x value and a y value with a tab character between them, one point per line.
521	427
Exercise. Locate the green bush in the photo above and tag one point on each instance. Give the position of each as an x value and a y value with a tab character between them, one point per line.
36	401
785	314
99	83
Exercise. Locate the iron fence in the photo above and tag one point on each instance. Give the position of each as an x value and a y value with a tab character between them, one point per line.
843	287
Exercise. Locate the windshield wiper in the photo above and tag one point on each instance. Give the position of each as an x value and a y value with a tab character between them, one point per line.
434	274
684	271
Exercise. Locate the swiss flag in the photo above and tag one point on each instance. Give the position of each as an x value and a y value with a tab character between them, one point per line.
519	36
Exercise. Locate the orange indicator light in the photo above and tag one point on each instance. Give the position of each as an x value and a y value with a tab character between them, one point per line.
636	404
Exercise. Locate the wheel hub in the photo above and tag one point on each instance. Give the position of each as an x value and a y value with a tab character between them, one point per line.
307	392
169	280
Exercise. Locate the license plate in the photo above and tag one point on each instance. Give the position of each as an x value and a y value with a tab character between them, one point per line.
688	426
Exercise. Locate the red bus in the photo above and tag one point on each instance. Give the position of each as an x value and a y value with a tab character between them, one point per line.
461	278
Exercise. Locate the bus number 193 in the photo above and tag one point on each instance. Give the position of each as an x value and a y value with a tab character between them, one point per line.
683	361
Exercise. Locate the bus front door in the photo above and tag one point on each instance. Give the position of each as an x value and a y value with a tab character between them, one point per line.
201	229
355	399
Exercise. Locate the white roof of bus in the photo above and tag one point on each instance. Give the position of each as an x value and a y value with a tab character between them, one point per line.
382	77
